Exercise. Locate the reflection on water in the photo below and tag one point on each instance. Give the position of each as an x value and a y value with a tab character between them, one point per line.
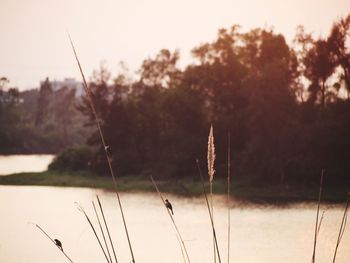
10	164
259	234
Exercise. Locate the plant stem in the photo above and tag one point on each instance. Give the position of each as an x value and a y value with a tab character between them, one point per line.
88	94
319	225
342	228
228	195
210	215
316	224
109	235
103	234
47	235
171	217
81	209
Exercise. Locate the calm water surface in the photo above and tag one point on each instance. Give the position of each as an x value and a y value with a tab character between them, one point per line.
259	234
10	164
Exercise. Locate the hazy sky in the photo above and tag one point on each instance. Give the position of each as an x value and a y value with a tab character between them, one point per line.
34	42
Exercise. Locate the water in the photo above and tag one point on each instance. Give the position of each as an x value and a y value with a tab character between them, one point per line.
10	164
259	234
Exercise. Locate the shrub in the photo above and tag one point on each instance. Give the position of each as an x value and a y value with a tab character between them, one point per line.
72	159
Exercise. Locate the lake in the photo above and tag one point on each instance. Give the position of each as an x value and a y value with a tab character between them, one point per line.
10	164
259	234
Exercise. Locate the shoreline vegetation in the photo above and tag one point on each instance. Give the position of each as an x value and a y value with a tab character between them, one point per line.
240	190
286	106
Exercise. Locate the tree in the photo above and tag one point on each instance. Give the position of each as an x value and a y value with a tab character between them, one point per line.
218	77
64	109
272	110
318	68
9	116
338	43
162	71
43	106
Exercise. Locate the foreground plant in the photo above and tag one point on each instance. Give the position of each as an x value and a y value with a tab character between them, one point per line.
342	227
208	206
228	196
81	209
211	172
105	146
317	225
56	242
166	205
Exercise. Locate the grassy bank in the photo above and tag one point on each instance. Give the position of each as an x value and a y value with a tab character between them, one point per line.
189	187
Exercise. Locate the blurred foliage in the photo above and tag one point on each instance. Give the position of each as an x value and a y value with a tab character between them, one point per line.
39	121
72	159
282	105
286	108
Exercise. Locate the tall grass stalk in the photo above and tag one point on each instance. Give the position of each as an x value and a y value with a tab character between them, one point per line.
342	227
319	225
103	234
208	206
88	94
318	211
171	217
182	250
228	196
211	172
47	235
81	209
106	225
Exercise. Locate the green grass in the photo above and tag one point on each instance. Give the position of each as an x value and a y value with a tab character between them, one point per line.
245	191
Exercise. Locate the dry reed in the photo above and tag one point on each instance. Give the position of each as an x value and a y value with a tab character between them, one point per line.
47	235
88	94
211	172
317	224
172	218
208	206
106	225
342	227
228	195
102	232
81	209
182	250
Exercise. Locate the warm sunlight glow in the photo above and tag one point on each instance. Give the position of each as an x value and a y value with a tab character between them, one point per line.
34	43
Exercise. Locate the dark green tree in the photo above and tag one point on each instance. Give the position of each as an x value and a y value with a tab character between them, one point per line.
43	106
340	51
64	110
161	71
318	68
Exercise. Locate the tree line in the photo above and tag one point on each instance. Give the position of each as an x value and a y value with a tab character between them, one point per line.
286	108
40	120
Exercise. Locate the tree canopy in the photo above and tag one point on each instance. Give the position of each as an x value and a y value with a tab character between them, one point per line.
281	104
286	107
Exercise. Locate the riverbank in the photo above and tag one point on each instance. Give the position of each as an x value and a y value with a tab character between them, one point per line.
189	187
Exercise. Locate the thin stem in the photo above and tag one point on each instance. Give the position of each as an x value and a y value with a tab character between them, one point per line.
342	228
81	209
88	93
316	224
103	234
212	215
182	250
228	195
47	235
109	235
171	217
208	206
319	225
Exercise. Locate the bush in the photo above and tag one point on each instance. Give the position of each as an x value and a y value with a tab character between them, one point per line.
72	159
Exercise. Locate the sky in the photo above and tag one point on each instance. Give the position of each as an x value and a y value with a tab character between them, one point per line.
34	42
